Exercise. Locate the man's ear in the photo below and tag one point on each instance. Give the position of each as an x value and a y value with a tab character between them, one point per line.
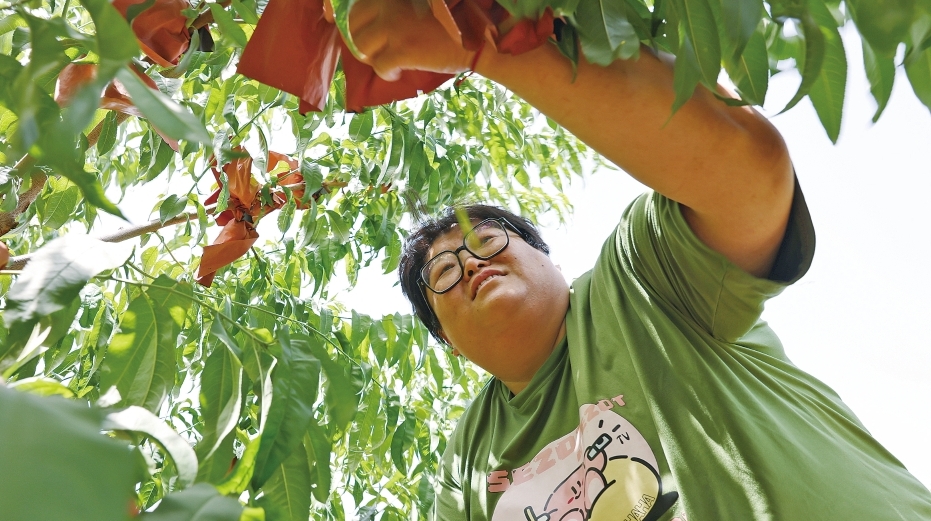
453	350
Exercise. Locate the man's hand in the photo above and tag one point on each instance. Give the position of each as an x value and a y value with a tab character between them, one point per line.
396	35
727	166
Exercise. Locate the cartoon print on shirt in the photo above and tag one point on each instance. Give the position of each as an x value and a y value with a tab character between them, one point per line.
612	477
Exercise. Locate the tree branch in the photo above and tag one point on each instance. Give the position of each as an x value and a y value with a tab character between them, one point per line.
38	180
123	234
206	17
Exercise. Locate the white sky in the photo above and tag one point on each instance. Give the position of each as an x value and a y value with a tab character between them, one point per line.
857	321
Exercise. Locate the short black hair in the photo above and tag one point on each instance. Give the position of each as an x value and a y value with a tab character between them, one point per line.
418	244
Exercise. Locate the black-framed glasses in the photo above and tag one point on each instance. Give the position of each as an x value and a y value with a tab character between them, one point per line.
485	240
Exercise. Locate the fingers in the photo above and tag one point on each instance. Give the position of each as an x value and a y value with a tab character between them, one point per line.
396	35
368	25
363	13
369	41
367	35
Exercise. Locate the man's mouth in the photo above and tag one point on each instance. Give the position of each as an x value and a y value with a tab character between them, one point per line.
482	279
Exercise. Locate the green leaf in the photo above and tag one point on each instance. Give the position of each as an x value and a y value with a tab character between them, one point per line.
237	482
918	70
318	449
341	229
880	70
287	489
115	40
201	502
38	113
366	429
30	340
341	10
161	154
220	397
567	41
686	75
228	26
286	215
42	386
359	328
220	332
605	32
426	494
296	380
401	441
136	9
246	9
56	274
116	45
827	92
402	347
740	20
253	514
171	207
108	130
259	365
815	44
141	361
162	112
215	466
87	182
11	22
57	466
360	128
698	28
342	392
882	23
137	419
58	207
750	72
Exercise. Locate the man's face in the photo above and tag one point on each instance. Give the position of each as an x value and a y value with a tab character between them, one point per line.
499	300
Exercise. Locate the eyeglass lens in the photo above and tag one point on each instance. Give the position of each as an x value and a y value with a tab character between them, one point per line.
486	240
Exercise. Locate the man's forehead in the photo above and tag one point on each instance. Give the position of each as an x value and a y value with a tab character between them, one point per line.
450	239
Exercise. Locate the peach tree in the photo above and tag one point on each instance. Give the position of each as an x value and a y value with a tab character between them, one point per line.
261	164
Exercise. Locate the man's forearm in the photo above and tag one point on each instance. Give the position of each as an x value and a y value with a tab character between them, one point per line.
727	165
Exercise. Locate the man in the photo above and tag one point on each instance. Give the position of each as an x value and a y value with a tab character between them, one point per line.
650	389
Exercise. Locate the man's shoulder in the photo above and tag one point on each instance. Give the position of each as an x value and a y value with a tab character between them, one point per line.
479	405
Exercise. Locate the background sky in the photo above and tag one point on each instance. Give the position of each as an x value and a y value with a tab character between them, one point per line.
859	319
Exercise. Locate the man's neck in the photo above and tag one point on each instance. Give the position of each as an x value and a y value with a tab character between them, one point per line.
517	386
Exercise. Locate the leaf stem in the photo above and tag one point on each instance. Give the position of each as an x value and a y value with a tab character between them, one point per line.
216	311
170	252
306	326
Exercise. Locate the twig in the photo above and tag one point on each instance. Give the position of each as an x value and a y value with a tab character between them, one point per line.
206	17
94	135
17	263
37	181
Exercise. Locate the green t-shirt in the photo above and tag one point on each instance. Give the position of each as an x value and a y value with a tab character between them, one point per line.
670	399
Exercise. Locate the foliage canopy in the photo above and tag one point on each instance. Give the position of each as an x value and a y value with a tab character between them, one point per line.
293	404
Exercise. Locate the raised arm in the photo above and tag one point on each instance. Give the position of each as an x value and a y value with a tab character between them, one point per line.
727	166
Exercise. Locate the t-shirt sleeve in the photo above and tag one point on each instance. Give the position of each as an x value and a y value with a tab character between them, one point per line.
656	249
449	503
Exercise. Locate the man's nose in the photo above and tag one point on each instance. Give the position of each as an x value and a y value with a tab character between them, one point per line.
471	263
